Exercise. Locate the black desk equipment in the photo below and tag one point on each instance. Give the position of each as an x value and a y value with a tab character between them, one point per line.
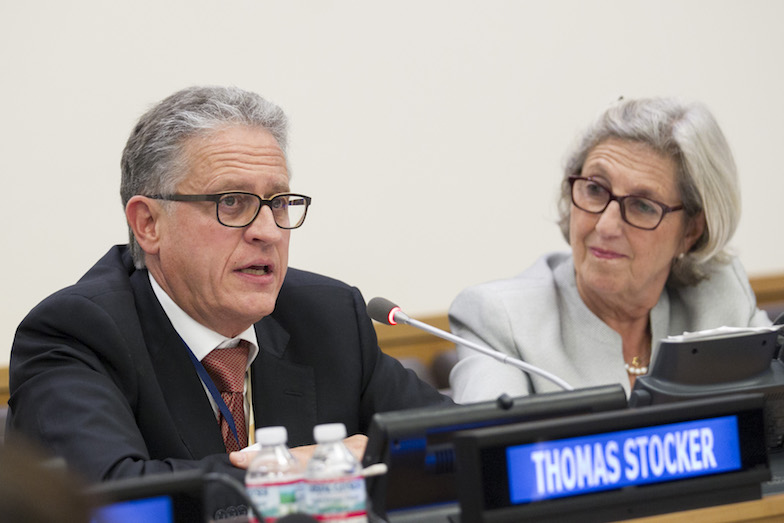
417	447
615	465
717	364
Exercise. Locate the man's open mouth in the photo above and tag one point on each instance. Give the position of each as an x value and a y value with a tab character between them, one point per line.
256	270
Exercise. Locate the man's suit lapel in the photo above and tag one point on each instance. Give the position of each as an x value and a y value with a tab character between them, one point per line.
284	393
180	386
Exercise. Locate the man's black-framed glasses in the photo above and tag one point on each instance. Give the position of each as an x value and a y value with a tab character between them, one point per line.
239	209
638	211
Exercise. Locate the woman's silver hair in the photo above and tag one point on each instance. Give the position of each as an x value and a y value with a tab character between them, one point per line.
706	175
153	161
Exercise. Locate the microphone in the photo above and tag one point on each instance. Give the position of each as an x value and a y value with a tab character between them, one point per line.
384	311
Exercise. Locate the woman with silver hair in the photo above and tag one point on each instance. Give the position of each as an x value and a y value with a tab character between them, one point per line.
649	201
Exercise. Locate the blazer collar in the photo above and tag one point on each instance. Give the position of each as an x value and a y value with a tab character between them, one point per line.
180	385
271	335
284	392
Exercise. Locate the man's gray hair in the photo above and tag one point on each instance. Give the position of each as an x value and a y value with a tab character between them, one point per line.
706	176
153	161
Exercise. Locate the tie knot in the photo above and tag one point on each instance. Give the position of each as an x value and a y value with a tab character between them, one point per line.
226	367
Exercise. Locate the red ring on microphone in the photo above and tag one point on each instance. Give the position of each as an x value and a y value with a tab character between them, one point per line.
391	317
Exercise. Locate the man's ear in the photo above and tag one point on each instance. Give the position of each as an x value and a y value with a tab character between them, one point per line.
143	215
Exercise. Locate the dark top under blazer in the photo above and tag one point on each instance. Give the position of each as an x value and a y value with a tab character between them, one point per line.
100	377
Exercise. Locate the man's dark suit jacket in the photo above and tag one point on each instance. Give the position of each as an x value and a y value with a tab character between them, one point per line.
100	377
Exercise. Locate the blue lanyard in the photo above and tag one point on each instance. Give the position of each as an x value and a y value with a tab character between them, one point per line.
216	395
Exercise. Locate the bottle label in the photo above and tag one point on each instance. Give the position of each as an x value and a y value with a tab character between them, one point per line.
276	499
337	499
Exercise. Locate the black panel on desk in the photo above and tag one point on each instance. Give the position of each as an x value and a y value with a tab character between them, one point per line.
417	444
486	462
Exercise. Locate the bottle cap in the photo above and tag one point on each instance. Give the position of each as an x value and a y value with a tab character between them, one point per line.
329	432
271	435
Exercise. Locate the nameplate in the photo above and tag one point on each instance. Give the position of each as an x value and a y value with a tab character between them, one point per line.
615	465
614	460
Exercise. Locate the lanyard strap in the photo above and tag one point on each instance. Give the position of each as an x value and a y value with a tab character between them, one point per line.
216	395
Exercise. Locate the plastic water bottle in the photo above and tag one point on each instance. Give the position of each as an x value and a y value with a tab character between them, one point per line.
334	485
274	477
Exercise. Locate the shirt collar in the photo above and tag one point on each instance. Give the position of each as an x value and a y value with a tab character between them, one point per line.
200	339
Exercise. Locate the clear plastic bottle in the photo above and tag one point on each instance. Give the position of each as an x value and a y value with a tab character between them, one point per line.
274	477
334	485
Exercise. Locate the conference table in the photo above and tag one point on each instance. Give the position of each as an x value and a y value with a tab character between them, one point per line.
769	508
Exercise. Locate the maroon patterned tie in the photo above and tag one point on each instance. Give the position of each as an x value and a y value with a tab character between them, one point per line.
226	367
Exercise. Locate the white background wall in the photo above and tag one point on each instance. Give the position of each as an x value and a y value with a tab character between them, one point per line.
405	116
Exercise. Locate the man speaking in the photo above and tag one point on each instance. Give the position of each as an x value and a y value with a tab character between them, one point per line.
168	352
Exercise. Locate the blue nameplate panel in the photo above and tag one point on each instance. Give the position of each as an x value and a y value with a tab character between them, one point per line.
159	509
613	460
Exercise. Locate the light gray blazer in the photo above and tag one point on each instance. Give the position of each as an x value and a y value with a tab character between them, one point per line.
539	317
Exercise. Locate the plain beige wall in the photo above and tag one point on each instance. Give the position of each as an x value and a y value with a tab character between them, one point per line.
408	117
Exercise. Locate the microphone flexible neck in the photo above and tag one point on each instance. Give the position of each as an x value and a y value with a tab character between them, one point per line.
402	317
